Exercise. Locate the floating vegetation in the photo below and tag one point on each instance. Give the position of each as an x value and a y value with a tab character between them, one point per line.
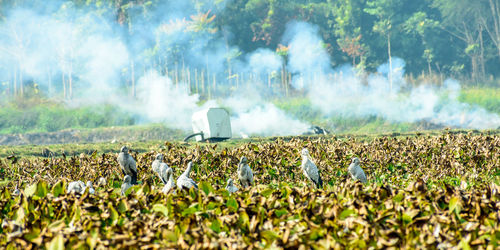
430	192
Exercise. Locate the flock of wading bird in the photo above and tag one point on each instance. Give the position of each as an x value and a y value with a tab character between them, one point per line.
165	173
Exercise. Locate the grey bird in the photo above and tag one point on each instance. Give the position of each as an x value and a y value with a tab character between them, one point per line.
184	181
245	174
157	162
356	171
89	186
126	184
101	182
76	187
127	164
170	185
230	187
310	169
162	172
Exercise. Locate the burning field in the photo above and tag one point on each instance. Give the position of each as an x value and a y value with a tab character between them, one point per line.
424	191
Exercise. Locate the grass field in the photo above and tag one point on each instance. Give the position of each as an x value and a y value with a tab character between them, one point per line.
434	190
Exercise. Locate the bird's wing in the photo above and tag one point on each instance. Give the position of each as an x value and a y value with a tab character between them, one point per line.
132	164
121	159
163	173
361	174
249	174
156	166
312	171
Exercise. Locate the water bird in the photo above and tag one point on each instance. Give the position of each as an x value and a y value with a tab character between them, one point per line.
356	171
162	172
76	187
126	184
184	181
170	185
310	169
245	174
157	162
230	187
102	182
127	164
91	189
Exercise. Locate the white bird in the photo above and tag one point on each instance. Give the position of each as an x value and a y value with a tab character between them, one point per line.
310	169
245	174
76	187
126	184
356	171
231	188
89	186
127	164
184	181
162	172
170	185
157	162
102	182
16	191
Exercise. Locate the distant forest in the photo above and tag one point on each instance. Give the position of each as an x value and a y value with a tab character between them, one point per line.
455	38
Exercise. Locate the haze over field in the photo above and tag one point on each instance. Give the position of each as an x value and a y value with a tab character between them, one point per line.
94	57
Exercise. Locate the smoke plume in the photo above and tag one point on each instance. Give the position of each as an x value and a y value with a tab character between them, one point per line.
66	48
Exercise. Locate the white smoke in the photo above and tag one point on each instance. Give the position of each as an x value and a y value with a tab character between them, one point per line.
342	92
46	47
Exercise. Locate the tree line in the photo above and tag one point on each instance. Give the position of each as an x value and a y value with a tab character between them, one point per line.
453	38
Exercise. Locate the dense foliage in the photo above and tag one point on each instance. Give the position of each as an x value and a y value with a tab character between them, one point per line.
423	191
446	37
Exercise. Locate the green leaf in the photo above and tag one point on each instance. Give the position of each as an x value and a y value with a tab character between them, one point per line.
232	204
281	212
190	210
41	189
454	205
269	235
161	209
267	192
113	215
215	225
346	213
77	213
206	187
398	198
33	235
57	243
30	190
144	190
57	189
122	207
170	236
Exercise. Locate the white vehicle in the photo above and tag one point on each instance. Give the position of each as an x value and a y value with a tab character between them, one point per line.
211	125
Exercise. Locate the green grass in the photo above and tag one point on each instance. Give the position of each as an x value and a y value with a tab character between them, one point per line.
488	98
48	117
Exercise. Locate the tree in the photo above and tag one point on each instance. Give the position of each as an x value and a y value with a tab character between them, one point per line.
347	27
419	24
463	20
384	11
492	23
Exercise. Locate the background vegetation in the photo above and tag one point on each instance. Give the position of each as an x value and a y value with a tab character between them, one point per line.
436	38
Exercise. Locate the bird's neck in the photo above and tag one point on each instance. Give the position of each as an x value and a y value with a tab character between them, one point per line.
188	170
